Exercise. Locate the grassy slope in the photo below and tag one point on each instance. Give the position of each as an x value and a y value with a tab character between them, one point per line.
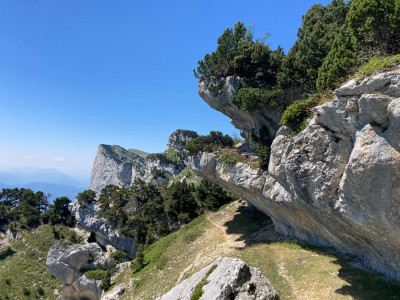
139	152
296	270
23	274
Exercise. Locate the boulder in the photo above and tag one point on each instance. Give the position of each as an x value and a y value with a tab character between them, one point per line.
65	261
231	278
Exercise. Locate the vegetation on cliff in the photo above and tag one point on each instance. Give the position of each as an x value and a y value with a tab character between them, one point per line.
333	42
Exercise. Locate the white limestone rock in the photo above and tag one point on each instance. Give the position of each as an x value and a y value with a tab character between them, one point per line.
65	262
88	219
337	183
245	121
231	279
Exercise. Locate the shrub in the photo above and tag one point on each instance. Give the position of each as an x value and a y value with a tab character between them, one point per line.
252	98
103	275
296	114
73	237
263	152
86	197
338	63
138	263
209	143
119	256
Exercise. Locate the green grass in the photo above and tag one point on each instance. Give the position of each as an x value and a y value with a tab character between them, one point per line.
295	269
23	274
198	289
377	63
139	152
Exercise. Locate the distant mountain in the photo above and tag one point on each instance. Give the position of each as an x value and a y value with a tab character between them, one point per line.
56	190
46	180
23	176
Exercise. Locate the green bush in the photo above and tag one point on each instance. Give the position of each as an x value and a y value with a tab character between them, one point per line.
252	98
119	256
209	143
86	197
103	275
338	63
296	114
73	237
138	263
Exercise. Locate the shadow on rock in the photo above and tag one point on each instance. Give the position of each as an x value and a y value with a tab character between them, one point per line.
256	228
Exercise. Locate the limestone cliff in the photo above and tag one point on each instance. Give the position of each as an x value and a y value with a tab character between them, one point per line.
118	166
337	183
245	121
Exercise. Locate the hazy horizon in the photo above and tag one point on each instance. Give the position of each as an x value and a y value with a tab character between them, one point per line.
78	74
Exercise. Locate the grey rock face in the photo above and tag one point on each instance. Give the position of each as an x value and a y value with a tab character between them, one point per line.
118	166
337	183
113	165
245	121
178	139
64	262
231	279
88	219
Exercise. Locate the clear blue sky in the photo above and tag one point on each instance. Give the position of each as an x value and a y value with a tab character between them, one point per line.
75	74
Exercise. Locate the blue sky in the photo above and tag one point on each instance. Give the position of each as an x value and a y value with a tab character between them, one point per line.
75	74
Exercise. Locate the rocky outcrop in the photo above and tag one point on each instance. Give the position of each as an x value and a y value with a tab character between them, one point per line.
179	138
245	121
337	183
118	166
65	262
231	279
113	165
88	219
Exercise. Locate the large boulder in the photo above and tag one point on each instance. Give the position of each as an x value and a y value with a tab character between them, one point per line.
65	261
231	278
336	183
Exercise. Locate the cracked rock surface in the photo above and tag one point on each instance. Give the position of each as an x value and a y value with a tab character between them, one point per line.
231	279
337	183
65	262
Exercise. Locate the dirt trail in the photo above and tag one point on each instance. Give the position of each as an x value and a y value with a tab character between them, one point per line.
231	240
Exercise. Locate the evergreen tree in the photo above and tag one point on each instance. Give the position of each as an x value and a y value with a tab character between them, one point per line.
315	38
375	26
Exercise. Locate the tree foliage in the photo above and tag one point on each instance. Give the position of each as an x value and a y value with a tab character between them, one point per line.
209	143
252	60
86	197
375	25
315	38
148	213
22	206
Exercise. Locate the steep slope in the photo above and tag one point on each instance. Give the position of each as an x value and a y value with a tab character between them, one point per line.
337	183
295	270
23	273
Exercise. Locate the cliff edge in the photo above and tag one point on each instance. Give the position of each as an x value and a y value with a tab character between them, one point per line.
337	183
